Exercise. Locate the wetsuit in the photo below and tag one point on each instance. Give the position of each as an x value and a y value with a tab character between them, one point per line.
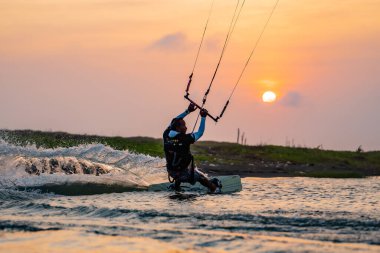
179	160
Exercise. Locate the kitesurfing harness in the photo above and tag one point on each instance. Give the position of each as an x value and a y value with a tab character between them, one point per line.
177	154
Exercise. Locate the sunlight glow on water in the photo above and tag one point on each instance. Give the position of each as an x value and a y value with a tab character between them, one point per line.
267	212
270	214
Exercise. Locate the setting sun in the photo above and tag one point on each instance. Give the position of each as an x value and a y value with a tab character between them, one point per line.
269	97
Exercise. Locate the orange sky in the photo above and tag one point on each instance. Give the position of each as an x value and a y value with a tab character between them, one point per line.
120	68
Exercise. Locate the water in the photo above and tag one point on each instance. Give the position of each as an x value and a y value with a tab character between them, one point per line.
269	215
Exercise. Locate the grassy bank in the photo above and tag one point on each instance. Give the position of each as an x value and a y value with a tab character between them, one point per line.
226	158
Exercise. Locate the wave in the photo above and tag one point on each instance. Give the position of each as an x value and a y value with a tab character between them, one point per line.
304	227
82	185
84	169
23	226
65	165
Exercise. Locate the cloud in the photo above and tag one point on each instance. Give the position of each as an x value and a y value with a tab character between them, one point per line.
213	43
291	99
171	42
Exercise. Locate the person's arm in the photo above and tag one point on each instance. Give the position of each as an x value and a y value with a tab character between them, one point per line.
189	109
183	115
197	135
202	126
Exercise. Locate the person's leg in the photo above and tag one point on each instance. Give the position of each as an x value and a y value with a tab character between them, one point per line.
177	185
186	176
181	176
207	183
176	175
203	180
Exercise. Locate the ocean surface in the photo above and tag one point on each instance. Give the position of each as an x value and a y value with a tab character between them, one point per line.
269	215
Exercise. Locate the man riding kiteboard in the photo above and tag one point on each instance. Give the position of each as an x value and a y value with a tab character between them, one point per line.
179	160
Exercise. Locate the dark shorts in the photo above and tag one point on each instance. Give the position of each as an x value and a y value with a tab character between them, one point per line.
184	176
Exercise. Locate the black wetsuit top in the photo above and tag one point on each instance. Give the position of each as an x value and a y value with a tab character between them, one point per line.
177	150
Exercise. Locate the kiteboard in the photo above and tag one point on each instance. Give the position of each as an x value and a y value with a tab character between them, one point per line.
230	184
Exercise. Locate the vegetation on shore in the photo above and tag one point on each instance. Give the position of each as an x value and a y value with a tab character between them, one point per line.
223	157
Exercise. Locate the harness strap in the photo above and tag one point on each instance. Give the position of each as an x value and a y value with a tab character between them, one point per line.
192	171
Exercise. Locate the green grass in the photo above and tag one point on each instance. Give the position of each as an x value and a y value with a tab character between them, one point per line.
144	145
306	161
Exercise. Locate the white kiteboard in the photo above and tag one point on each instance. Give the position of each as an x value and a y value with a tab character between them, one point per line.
230	184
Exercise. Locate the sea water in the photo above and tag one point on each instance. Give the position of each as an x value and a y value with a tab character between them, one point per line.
269	215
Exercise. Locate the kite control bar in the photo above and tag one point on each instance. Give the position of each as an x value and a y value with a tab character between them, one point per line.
230	31
198	106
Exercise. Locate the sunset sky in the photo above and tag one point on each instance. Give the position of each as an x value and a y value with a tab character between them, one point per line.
120	67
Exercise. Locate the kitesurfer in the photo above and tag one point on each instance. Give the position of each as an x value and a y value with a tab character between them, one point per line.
179	160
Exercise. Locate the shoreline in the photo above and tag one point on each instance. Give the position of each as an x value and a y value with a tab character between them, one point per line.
289	171
222	158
